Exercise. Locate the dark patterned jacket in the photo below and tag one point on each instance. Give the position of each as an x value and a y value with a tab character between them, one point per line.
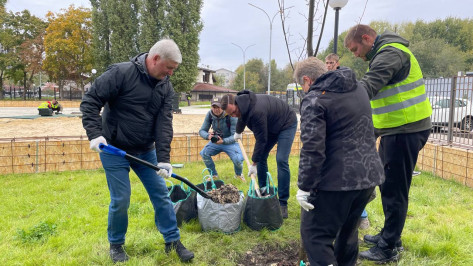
337	133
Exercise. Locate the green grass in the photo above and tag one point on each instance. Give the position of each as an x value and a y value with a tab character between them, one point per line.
61	219
184	103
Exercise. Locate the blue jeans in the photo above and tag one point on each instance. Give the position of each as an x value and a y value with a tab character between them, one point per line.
284	140
117	172
232	150
364	214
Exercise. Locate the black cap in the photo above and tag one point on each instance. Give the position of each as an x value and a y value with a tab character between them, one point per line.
216	102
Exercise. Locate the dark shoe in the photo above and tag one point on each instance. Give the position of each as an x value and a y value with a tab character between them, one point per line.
184	254
117	253
284	212
380	253
373	240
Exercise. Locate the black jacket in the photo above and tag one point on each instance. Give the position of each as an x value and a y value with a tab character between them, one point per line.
137	115
338	142
265	115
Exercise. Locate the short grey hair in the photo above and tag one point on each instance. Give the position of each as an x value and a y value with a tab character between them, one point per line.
167	49
311	67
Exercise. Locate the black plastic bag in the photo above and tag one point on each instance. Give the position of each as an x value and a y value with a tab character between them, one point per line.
184	202
263	212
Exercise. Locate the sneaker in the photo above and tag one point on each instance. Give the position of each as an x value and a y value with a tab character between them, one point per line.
284	212
117	253
240	177
415	173
184	254
364	223
374	239
380	253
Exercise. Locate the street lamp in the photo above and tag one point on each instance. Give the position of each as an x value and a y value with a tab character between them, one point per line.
270	35
337	5
244	62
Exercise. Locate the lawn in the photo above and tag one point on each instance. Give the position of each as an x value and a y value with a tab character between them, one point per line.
61	219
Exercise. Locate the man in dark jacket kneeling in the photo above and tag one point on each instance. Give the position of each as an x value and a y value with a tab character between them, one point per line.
339	166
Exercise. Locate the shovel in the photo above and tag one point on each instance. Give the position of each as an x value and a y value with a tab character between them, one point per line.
116	151
258	192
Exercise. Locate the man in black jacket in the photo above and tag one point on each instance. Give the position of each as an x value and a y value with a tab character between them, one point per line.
272	121
339	166
137	117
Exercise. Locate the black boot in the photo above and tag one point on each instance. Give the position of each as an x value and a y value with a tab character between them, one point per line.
184	254
117	253
284	212
380	253
374	239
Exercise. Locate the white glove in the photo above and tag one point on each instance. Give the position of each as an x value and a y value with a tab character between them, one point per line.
301	197
252	170
165	170
237	136
94	143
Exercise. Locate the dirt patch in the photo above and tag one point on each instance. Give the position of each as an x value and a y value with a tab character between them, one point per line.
272	255
227	193
72	126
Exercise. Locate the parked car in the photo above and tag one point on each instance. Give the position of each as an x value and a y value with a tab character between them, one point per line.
462	113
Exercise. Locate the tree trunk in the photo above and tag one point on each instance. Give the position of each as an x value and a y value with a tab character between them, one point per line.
24	85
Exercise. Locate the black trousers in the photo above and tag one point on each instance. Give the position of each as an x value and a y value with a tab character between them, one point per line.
399	156
335	218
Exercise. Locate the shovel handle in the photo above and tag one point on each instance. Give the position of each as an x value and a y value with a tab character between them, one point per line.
116	151
252	176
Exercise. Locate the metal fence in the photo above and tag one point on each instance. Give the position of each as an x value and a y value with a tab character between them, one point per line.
452	109
452	104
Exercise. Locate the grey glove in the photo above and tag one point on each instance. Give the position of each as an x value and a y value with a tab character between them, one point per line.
301	197
165	170
252	170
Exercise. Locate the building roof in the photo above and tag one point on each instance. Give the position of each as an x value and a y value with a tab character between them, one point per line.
210	88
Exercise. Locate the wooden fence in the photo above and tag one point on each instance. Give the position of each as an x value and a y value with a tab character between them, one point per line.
34	155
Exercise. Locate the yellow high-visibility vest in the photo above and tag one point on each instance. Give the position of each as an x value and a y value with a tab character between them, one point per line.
404	102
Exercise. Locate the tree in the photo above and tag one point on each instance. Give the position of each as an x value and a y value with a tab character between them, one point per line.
100	35
19	33
254	80
115	26
183	25
437	58
123	18
67	44
152	22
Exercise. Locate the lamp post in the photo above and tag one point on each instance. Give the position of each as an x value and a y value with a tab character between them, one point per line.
337	5
270	36
244	62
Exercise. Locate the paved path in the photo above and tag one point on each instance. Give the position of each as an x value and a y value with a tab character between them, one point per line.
9	112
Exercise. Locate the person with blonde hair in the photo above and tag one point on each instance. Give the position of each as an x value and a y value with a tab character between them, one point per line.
339	167
332	61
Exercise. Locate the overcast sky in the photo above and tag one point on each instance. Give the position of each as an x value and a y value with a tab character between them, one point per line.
235	21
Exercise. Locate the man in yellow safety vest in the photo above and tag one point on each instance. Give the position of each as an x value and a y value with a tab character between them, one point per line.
401	117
